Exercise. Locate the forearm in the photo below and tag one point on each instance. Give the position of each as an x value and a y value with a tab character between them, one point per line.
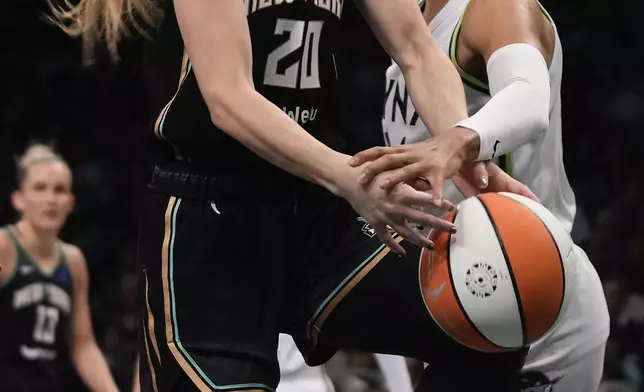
274	136
432	81
435	87
519	109
92	368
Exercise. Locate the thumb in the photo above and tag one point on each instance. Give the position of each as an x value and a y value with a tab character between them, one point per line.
481	176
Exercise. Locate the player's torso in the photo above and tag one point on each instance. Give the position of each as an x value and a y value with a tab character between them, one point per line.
538	164
293	67
35	309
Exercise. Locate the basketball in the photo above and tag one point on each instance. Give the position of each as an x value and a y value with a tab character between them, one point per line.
497	284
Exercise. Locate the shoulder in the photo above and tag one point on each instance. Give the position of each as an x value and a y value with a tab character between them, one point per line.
6	245
496	23
75	261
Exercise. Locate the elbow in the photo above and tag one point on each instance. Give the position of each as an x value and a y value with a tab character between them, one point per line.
540	118
221	109
225	104
541	124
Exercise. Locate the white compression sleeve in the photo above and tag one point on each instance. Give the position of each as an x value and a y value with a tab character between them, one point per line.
519	109
394	368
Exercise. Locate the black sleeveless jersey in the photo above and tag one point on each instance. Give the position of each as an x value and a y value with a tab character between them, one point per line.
293	66
35	309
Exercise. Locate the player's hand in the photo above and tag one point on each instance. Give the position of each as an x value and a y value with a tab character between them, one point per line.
434	160
384	209
479	177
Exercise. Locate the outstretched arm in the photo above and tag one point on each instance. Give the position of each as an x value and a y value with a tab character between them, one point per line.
433	84
435	89
517	46
508	35
217	39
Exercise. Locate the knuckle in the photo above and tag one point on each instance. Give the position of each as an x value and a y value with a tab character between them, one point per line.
387	159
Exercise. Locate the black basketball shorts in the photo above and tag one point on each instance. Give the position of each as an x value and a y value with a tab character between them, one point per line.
228	263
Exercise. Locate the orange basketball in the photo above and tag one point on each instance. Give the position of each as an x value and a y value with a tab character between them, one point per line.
499	282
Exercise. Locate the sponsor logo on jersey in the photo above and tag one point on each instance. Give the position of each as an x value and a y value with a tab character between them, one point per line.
26	269
370	231
63	276
37	353
300	115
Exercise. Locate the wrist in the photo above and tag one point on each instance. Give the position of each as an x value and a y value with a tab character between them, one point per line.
338	177
468	142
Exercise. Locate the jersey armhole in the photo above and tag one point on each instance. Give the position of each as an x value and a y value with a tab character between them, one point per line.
467	78
64	263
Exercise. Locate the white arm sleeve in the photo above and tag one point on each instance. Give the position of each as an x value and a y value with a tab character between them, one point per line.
519	109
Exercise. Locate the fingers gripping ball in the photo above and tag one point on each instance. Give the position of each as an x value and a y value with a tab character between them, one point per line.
498	283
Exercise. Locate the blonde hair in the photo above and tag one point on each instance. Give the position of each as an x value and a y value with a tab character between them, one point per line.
35	154
104	20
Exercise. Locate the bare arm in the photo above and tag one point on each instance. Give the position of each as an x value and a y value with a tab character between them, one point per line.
517	112
136	385
432	81
489	25
217	40
7	256
86	356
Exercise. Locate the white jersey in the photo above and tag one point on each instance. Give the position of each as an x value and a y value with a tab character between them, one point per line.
538	164
573	349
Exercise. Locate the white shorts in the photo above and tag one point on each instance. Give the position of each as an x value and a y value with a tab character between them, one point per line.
582	376
570	357
296	375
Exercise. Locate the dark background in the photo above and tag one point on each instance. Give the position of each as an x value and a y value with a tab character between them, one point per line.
98	117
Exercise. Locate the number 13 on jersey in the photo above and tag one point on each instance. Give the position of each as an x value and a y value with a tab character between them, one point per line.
304	73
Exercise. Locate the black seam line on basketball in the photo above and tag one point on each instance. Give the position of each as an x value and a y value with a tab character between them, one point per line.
512	278
458	300
563	270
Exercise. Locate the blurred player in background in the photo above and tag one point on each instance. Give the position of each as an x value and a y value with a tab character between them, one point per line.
44	309
510	59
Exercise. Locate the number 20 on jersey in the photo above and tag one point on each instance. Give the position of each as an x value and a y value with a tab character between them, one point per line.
303	73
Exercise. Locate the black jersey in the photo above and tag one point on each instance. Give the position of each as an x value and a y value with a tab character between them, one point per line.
293	67
35	309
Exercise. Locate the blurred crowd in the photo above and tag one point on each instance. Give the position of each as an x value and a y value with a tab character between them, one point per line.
98	117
